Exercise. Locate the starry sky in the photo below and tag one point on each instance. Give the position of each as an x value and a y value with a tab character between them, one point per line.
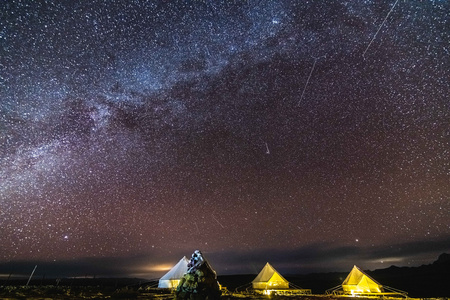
311	134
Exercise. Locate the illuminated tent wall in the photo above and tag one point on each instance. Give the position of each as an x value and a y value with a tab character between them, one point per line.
269	278
358	282
173	277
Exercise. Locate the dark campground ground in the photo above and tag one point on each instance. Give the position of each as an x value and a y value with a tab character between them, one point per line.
134	288
91	292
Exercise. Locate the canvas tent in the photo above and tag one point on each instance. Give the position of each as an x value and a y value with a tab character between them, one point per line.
172	278
358	282
269	278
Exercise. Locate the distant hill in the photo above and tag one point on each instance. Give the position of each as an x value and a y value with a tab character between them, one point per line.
431	280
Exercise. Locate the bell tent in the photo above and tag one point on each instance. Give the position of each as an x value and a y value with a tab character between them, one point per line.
269	278
172	278
359	282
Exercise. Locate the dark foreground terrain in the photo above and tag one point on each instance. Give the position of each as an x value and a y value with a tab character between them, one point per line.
61	292
143	291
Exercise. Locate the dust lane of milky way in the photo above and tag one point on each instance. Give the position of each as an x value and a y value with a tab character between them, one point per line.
311	134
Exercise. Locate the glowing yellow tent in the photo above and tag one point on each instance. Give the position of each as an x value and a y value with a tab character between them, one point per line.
358	282
269	278
172	278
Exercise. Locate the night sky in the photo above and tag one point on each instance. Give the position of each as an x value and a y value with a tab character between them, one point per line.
311	134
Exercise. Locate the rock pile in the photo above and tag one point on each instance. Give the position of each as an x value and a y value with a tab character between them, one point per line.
200	281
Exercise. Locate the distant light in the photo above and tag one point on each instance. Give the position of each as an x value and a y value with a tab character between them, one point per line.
158	268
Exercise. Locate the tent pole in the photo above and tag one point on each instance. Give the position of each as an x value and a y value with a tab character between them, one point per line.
29	279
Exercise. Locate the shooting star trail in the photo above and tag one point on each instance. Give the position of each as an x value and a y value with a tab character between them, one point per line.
198	230
218	221
379	28
307	81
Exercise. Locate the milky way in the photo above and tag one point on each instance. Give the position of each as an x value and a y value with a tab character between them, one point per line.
139	131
